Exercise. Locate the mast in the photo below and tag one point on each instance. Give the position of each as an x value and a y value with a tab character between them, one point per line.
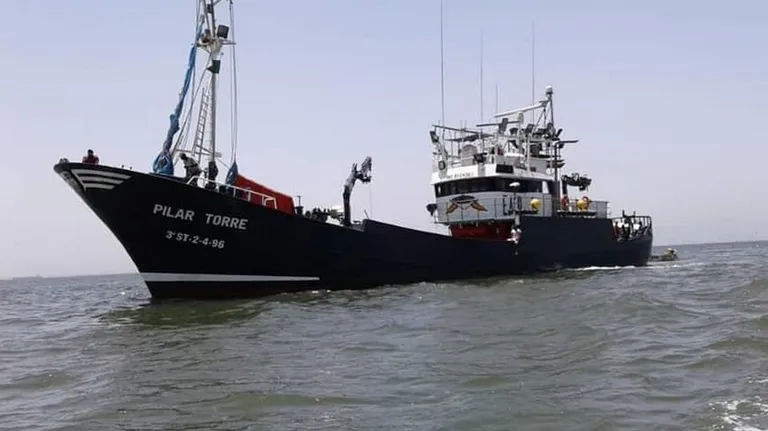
557	192
442	68
213	40
481	77
233	89
533	68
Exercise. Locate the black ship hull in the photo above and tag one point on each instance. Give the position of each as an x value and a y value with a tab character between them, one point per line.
189	242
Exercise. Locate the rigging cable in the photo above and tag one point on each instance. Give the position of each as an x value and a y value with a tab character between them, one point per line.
233	84
181	146
187	123
197	86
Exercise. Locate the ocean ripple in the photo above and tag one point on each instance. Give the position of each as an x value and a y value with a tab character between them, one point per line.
675	345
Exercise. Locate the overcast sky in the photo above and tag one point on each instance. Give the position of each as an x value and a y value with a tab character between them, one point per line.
668	100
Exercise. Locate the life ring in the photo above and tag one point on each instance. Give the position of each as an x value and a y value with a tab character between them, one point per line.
564	202
585	198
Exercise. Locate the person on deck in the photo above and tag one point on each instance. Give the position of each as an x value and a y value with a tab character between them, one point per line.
515	236
192	168
91	158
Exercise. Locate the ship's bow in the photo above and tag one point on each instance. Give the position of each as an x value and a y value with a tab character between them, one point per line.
187	241
91	181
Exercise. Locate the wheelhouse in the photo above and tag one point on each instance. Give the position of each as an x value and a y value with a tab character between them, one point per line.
493	184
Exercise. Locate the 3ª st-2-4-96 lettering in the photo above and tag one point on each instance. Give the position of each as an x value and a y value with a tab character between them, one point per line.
194	239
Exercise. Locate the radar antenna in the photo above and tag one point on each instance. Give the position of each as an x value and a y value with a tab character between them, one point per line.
364	176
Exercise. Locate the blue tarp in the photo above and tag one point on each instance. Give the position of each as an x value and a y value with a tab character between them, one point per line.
163	163
232	174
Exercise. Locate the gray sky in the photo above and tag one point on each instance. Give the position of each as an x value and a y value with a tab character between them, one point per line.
666	97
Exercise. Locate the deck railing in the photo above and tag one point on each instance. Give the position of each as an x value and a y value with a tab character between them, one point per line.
632	226
245	194
642	220
536	205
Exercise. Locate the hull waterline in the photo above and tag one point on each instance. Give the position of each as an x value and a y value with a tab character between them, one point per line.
189	242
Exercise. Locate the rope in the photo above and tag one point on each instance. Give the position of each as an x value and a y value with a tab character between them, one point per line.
233	83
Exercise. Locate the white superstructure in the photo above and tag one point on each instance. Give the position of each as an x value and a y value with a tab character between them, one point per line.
502	170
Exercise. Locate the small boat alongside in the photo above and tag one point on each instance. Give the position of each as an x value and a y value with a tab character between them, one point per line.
668	256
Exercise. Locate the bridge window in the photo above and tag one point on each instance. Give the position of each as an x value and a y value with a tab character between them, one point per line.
488	184
530	186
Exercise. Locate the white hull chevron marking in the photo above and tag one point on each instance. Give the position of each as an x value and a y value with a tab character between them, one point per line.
93	179
176	277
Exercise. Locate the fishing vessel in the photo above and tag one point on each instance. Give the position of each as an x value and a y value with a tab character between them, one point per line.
498	189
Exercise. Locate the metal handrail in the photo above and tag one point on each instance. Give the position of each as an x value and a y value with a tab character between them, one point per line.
515	205
632	226
265	199
644	220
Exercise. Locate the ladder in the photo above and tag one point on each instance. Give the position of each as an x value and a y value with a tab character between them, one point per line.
198	148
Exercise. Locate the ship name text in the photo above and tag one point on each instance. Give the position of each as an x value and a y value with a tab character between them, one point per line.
226	221
181	214
460	175
210	219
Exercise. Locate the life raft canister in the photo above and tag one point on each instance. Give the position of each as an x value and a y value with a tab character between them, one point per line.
535	204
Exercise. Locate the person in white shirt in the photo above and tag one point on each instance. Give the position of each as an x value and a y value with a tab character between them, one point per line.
514	236
192	168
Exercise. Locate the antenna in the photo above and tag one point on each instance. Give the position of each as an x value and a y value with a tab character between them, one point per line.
497	98
481	77
442	67
533	69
